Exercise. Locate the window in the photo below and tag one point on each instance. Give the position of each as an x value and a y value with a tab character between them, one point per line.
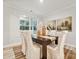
24	24
29	24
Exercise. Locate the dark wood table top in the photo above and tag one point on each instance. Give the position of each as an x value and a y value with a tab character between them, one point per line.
44	42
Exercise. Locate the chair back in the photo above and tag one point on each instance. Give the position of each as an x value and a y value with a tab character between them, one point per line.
28	41
61	40
28	38
23	43
52	33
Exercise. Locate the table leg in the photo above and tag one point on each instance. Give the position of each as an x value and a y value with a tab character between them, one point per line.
56	41
44	51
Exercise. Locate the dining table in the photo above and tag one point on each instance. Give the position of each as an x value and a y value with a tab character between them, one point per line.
44	41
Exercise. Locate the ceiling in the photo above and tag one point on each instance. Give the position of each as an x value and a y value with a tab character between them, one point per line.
46	8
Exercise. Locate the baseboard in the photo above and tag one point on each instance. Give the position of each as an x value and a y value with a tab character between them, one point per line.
69	46
12	45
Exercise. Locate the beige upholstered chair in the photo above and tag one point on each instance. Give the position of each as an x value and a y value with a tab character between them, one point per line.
23	43
57	52
52	32
32	51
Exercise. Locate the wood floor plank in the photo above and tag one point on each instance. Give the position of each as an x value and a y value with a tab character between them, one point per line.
68	54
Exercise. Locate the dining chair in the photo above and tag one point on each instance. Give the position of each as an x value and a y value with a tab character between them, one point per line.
32	50
57	52
52	33
23	44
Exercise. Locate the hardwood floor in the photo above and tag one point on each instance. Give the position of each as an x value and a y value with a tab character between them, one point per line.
69	54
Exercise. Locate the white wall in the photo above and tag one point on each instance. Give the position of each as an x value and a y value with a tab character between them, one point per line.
70	11
11	25
6	26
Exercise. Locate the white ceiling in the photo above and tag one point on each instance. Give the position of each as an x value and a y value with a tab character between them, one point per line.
46	8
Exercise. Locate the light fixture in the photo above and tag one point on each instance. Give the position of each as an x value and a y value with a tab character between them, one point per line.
41	1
